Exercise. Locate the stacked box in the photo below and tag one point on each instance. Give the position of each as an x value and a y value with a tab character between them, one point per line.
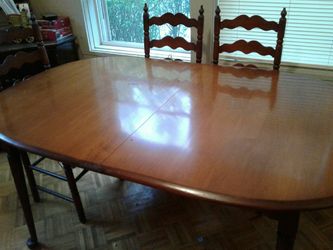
55	29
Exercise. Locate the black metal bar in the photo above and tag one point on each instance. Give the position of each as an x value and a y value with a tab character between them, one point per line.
75	193
54	193
49	173
16	168
30	176
38	161
83	172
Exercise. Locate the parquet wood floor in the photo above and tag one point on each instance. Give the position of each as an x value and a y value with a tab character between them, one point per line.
123	215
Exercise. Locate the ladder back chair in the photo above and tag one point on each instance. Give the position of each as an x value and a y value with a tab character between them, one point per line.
11	69
15	62
250	23
173	42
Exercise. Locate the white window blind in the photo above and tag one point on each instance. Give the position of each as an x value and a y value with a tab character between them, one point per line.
309	32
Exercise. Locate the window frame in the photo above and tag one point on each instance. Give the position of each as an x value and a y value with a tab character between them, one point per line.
95	26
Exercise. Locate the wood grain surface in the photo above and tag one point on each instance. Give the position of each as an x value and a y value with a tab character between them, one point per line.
170	125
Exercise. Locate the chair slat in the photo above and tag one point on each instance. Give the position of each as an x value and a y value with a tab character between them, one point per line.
173	43
249	23
174	20
247	47
18	60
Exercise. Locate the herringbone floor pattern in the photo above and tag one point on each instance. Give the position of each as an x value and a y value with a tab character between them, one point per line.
124	215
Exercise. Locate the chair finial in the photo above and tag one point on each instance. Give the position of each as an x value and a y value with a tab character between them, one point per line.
283	12
217	11
145	8
201	11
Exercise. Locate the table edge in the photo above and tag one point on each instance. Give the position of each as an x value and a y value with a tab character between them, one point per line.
266	205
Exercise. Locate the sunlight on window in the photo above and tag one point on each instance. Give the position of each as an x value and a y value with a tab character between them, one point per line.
125	19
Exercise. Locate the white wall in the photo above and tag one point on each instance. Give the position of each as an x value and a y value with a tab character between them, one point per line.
71	8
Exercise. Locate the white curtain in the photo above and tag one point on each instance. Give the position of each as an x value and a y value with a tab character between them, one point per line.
9	7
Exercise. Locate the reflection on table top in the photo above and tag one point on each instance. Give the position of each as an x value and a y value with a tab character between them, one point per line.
240	136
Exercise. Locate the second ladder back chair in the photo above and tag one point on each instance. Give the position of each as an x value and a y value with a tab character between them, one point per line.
177	42
249	23
11	68
12	71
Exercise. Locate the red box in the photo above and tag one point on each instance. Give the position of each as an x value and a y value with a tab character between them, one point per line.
61	22
55	34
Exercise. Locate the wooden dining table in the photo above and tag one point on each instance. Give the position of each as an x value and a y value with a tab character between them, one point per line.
253	138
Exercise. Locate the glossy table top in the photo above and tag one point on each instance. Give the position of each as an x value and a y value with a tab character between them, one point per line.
238	136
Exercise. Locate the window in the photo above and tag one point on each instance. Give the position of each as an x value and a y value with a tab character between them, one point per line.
309	34
123	19
120	26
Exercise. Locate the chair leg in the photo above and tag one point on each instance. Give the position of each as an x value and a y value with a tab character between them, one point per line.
30	176
75	193
21	188
287	230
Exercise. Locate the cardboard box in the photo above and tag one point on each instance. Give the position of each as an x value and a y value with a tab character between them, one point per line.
61	22
55	34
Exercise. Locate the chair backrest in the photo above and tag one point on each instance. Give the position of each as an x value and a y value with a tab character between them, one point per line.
177	42
19	59
250	23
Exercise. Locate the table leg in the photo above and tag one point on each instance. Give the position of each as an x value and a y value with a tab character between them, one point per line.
75	193
21	188
287	230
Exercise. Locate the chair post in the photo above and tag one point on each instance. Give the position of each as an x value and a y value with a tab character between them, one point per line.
40	43
200	33
280	36
146	30
217	22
